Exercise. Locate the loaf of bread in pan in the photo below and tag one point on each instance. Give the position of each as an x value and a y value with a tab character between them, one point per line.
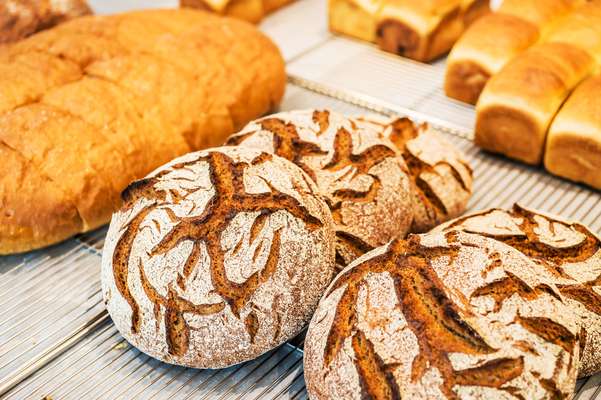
569	253
21	18
107	99
442	316
573	148
358	171
424	30
217	257
519	103
248	10
491	42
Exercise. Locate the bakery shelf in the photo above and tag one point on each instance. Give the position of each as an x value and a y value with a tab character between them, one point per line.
55	336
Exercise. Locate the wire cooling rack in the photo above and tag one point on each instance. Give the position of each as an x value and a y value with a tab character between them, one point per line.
57	340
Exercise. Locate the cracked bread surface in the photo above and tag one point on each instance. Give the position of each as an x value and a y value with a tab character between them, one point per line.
441	177
217	257
136	90
442	316
567	250
357	170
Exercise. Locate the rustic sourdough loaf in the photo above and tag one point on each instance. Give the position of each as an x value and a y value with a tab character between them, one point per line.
441	177
217	257
109	98
569	253
455	316
358	171
21	18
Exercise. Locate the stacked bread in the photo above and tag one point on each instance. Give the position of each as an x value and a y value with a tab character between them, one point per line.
248	10
107	99
21	18
495	39
421	30
518	105
500	304
223	254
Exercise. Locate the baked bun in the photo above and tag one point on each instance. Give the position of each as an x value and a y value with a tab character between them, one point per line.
217	257
357	170
248	10
454	316
573	147
440	175
569	252
518	104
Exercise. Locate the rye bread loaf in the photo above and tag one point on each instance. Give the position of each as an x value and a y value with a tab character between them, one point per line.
436	316
440	175
21	18
568	251
109	98
217	257
357	170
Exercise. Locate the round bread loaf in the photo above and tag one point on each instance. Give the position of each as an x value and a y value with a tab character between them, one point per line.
569	253
217	257
440	175
436	316
359	172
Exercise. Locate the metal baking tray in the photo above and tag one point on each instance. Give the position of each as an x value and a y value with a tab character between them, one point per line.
57	340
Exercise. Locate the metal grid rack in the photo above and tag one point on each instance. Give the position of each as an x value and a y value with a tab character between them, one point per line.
57	340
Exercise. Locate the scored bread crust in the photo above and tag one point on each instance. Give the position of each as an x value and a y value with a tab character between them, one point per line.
440	316
136	90
357	170
217	257
569	251
442	179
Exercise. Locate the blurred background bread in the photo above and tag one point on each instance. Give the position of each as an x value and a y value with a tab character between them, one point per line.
109	99
421	30
518	104
491	42
247	10
21	18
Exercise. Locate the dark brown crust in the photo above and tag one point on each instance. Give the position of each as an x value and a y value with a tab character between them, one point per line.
229	200
288	144
438	324
551	257
403	131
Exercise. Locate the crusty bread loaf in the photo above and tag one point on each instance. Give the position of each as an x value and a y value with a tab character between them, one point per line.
493	41
518	104
573	148
21	18
359	173
248	10
569	253
441	177
217	257
422	30
455	316
107	99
